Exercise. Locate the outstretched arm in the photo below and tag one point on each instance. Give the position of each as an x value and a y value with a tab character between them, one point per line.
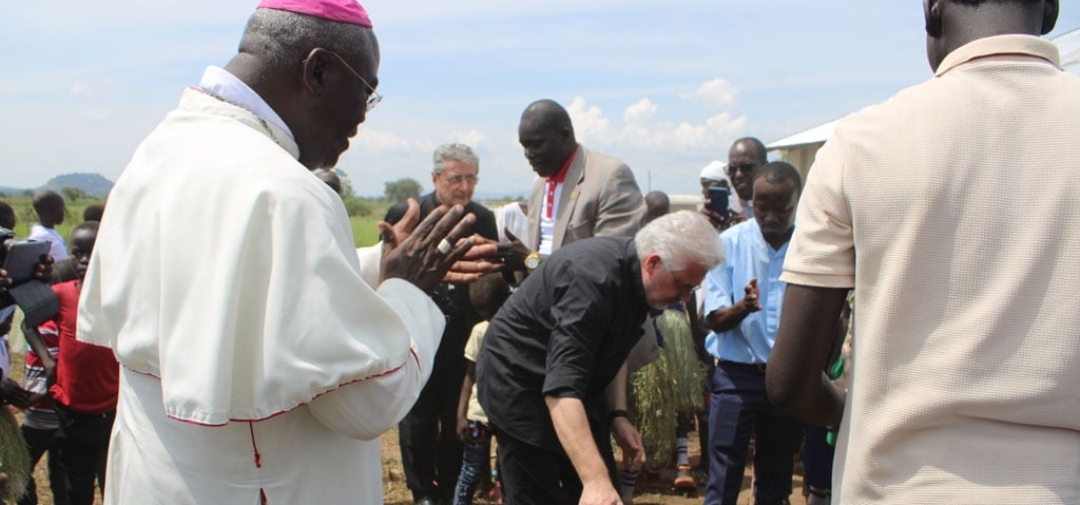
572	427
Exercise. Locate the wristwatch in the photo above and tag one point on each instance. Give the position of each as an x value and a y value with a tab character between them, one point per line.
532	261
618	413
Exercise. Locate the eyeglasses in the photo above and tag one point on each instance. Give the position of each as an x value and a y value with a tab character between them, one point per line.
685	288
746	167
373	96
457	178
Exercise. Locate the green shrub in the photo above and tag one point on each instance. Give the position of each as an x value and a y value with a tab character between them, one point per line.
358	207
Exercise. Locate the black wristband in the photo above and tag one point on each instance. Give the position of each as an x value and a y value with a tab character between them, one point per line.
618	413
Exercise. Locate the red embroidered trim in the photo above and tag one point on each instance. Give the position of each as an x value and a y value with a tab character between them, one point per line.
275	414
254	446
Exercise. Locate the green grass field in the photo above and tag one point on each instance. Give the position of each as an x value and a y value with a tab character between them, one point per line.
365	228
25	215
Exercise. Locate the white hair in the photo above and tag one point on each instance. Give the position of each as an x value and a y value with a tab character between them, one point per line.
681	239
456	152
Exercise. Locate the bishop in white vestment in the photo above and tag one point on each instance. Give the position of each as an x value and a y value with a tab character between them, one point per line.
257	366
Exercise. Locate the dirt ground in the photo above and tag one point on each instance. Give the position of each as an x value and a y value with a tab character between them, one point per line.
658	492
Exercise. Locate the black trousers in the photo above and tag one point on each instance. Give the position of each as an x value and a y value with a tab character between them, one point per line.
532	475
430	449
38	443
817	456
84	447
740	408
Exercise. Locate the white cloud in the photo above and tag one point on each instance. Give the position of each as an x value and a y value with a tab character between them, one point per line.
588	121
715	93
724	122
640	113
643	128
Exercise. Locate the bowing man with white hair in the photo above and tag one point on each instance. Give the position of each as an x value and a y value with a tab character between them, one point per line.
552	373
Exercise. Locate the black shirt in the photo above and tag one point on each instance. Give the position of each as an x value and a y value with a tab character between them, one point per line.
452	300
564	333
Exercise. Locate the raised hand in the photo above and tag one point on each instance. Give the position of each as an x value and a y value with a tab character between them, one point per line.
750	301
425	253
514	253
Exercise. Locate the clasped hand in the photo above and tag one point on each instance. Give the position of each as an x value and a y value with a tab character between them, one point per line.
411	250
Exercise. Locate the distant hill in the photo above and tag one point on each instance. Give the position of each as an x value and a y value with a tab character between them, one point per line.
11	192
91	184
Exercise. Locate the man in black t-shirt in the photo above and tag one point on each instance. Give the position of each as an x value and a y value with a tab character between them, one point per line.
551	375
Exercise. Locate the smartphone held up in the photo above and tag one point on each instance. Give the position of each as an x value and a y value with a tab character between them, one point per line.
718	201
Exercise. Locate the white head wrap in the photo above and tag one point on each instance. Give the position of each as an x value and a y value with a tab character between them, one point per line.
714	171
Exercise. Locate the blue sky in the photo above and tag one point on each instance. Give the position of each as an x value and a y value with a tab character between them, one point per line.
665	86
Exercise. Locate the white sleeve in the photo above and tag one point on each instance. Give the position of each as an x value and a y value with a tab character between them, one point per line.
370	264
367	408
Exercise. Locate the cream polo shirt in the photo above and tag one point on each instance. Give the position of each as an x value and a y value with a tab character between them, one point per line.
953	209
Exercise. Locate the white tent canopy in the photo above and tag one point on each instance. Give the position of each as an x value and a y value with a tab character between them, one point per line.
799	149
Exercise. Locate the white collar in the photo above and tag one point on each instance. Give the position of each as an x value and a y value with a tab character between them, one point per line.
219	82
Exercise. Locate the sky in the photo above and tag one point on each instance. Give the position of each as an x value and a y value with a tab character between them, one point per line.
664	86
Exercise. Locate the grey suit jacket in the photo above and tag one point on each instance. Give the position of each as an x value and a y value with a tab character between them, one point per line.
599	197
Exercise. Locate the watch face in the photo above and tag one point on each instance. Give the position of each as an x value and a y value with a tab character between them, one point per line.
532	262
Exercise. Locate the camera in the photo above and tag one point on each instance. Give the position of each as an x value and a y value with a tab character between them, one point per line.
20	259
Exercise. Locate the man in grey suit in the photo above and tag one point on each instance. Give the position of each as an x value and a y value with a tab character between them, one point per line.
580	193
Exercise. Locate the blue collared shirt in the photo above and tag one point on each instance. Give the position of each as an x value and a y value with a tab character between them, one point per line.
748	256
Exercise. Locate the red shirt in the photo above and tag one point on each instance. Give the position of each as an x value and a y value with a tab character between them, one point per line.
36	380
87	376
553	182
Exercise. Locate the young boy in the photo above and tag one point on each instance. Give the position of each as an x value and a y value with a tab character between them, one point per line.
487	295
40	422
83	382
50	208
